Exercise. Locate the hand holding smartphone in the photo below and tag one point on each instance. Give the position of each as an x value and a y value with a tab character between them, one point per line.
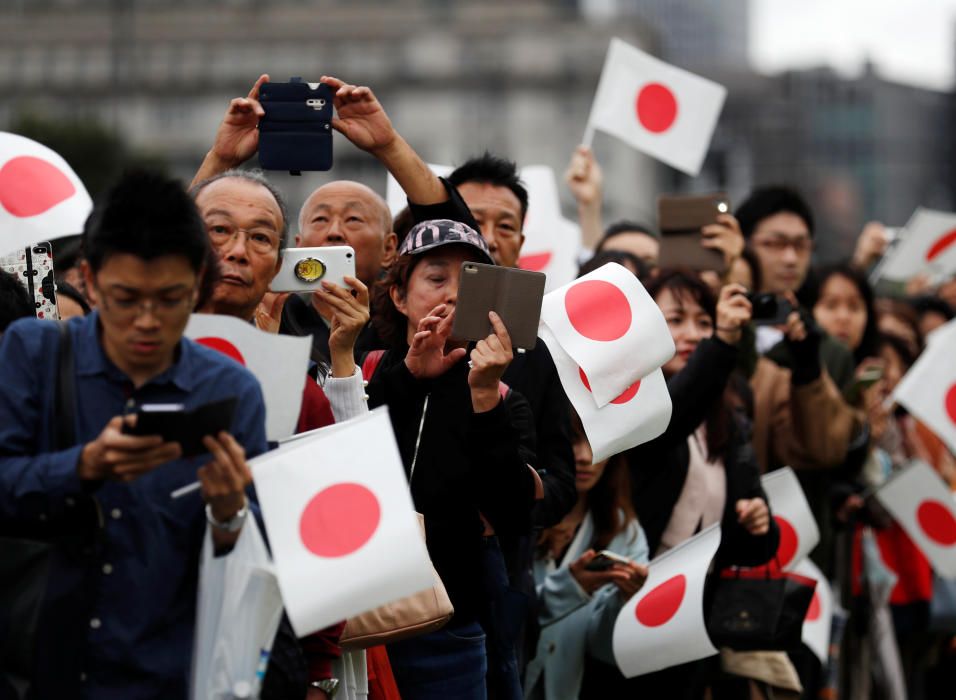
515	295
606	559
681	219
188	428
305	269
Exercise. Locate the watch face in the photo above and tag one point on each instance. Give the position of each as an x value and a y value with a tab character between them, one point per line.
309	269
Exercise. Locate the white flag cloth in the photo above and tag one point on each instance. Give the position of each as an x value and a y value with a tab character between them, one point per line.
922	504
928	390
816	625
662	625
609	325
927	245
344	535
279	362
551	243
655	107
639	414
798	528
41	198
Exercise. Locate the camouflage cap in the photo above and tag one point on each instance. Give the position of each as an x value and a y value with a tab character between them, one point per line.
427	235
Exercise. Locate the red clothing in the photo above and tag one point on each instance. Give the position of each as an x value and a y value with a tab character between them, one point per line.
322	647
914	575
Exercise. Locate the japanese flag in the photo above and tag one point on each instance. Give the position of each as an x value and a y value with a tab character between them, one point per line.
551	242
41	198
658	109
798	528
928	390
927	245
279	362
922	504
639	414
816	625
395	196
662	625
344	535
609	325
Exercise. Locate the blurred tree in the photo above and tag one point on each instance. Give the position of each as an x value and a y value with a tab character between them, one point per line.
97	154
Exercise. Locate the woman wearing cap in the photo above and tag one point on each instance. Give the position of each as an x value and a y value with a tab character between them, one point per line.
464	440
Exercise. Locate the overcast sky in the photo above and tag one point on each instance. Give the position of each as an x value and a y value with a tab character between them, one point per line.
909	41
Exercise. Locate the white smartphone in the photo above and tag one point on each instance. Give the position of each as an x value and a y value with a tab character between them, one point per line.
305	269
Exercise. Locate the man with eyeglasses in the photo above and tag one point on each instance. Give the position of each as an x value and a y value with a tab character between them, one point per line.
117	611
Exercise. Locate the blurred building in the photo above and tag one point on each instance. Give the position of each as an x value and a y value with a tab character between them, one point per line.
460	76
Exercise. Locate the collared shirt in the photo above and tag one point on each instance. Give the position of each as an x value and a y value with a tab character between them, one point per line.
138	638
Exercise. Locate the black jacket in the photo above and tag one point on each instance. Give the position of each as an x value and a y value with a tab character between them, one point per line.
466	463
659	468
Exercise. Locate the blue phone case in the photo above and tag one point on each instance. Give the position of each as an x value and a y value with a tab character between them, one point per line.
296	132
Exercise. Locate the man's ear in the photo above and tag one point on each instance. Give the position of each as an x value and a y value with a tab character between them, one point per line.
398	298
389	248
89	280
521	243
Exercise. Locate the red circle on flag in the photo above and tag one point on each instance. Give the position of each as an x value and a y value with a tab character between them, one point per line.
941	244
535	262
788	541
813	612
937	522
662	603
625	395
656	107
339	520
223	346
598	310
951	403
30	186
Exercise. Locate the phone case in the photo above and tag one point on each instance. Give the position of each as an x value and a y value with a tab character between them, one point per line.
33	266
680	219
513	294
304	269
295	134
188	428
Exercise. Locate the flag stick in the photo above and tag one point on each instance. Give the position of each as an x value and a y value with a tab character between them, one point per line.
588	135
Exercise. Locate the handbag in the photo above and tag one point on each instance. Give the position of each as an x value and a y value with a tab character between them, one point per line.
421	613
760	609
33	546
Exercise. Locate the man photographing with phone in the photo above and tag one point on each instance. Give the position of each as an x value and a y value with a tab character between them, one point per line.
117	605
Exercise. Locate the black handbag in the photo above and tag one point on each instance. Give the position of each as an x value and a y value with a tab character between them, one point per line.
759	609
32	546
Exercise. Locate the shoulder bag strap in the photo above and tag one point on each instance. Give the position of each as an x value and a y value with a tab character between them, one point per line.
65	399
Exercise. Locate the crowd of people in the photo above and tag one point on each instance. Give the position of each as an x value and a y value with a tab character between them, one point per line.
515	507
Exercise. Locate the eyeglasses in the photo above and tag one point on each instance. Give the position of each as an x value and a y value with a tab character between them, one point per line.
801	246
260	240
129	307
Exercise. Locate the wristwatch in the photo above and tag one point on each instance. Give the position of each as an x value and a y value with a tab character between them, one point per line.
234	524
329	685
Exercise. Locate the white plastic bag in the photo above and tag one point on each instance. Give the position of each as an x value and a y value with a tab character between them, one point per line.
237	614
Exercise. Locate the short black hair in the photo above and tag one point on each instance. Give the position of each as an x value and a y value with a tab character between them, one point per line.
625	226
930	304
621	257
65	289
15	300
492	170
256	177
147	215
769	200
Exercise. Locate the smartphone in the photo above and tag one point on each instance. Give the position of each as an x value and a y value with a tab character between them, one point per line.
295	133
33	266
604	560
769	309
866	379
305	269
515	295
680	219
175	424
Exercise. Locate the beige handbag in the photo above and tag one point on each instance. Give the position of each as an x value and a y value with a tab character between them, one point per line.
424	612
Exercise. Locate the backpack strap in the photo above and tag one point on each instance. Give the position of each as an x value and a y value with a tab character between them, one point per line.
370	363
65	426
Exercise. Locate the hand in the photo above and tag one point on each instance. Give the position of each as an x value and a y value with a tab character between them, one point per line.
316	694
795	330
584	177
590	581
851	506
114	455
489	360
870	246
919	285
361	118
631	578
426	357
733	313
350	315
754	515
237	139
225	478
724	236
269	311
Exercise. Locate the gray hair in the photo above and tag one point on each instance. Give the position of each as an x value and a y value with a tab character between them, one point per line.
257	177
